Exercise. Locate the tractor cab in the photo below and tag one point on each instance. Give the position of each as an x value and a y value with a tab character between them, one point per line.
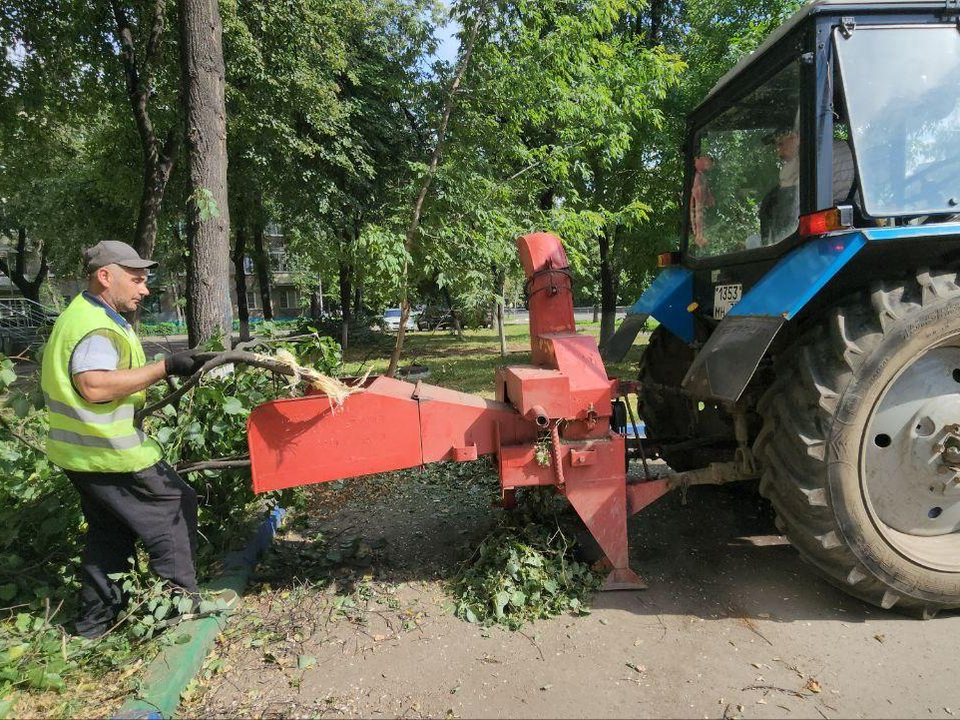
810	321
842	128
846	117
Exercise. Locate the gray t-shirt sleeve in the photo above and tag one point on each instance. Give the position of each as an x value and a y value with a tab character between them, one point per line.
95	352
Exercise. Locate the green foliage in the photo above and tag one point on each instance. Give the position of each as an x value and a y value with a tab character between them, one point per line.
524	570
210	422
37	503
41	525
162	328
321	97
40	656
205	203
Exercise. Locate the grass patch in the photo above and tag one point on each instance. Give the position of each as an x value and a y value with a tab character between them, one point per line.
468	365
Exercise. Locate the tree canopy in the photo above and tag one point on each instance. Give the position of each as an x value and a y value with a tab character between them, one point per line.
569	117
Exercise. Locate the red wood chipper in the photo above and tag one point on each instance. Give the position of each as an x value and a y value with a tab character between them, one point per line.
550	425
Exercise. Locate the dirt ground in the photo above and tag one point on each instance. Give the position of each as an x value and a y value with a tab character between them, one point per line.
733	624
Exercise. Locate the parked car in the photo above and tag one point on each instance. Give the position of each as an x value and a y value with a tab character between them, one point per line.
391	320
441	318
435	317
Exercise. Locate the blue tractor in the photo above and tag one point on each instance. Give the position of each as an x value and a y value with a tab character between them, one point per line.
810	323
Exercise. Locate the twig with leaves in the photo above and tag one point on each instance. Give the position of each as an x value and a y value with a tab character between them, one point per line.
8	426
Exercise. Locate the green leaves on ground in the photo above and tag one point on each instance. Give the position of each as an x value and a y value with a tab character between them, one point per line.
41	525
524	570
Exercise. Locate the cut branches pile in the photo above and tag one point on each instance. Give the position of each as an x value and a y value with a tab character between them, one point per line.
524	570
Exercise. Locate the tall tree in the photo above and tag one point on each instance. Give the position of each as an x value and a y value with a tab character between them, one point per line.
413	229
353	151
17	272
240	279
209	308
159	150
107	62
261	263
550	125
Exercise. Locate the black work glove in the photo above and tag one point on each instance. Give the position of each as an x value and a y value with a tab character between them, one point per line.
184	363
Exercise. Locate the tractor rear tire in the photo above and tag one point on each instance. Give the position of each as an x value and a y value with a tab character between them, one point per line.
860	447
673	417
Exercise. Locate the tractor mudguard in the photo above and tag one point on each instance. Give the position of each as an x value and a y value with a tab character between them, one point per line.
667	299
728	360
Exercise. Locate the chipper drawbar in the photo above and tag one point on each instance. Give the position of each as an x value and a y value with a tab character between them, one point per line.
556	422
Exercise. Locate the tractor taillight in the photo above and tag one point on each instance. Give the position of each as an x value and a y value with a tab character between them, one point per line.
820	223
668	258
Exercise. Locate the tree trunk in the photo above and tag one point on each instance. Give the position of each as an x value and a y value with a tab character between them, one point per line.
316	300
608	288
240	281
357	298
30	289
261	264
183	313
500	281
453	314
205	132
596	311
413	230
156	174
657	9
345	272
175	292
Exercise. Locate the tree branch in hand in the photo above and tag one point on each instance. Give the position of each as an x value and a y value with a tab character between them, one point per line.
335	389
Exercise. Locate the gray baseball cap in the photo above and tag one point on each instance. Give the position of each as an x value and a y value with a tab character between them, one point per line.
109	252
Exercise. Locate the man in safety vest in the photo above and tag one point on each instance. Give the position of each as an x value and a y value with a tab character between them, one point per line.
94	378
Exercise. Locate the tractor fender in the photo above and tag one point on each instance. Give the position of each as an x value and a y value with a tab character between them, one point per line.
668	300
728	360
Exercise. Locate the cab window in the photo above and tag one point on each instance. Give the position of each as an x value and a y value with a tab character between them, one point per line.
746	184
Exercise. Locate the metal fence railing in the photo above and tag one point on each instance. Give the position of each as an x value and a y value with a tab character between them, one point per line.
23	323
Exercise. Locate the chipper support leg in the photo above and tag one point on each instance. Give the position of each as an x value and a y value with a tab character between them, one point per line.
602	505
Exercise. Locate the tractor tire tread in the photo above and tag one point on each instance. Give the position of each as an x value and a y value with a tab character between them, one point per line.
798	410
664	363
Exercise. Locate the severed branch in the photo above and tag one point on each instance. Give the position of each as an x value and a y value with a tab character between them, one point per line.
13	431
220	464
334	389
211	361
282	364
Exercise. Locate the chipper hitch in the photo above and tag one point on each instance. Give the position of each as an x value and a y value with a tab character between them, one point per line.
550	425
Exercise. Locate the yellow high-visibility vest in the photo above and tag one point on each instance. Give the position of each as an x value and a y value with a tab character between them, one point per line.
85	436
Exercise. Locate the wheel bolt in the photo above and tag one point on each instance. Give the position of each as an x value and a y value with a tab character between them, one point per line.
951	455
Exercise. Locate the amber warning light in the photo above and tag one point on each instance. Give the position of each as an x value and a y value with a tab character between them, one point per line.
668	258
825	221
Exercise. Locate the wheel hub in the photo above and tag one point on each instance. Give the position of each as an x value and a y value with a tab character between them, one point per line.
911	458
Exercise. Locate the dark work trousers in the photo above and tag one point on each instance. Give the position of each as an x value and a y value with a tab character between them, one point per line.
154	505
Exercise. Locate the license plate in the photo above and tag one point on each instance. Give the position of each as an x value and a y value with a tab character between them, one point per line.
724	298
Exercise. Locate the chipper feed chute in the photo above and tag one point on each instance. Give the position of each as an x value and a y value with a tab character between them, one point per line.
563	403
